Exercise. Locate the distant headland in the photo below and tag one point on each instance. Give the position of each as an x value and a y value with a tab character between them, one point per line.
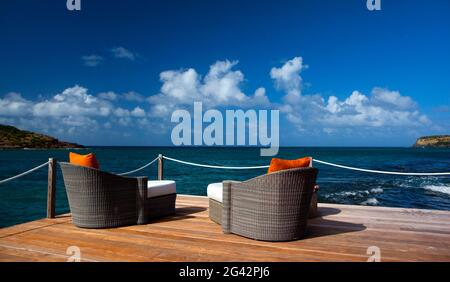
437	141
14	138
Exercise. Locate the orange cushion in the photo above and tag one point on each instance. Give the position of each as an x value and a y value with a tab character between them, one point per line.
88	160
280	164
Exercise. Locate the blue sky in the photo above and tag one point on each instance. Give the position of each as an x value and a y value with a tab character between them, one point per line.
112	73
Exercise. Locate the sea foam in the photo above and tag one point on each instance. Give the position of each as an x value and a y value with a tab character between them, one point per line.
370	202
376	190
438	188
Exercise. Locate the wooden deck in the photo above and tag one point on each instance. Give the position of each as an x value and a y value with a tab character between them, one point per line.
343	233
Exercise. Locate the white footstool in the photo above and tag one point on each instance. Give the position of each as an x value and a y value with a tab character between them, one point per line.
161	198
156	188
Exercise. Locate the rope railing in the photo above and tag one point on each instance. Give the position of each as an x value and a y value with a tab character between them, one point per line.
51	194
23	173
138	169
246	168
215	166
317	161
383	171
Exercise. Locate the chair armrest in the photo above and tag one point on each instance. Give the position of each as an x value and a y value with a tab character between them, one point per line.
226	202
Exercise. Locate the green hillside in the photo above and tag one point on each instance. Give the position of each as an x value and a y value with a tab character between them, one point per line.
12	137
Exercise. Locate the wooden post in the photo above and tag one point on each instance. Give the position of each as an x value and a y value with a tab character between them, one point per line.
160	167
51	192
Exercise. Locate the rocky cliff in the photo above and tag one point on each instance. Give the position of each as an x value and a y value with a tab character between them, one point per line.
438	141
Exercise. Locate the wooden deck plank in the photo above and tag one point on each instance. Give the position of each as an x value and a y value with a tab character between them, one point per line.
342	233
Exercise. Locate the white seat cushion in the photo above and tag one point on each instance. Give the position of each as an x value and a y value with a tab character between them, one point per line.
161	188
215	191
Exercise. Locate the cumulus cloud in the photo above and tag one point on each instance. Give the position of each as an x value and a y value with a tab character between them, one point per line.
79	121
72	101
130	96
72	108
133	97
385	97
361	110
13	104
110	95
136	112
220	87
221	84
178	86
92	60
381	109
123	53
384	108
287	78
120	112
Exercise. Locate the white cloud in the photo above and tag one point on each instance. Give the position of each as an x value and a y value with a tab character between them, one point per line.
110	95
385	97
130	96
160	110
79	121
133	97
124	121
138	112
259	98
288	78
92	60
361	110
69	110
220	87
123	53
180	86
222	84
73	101
13	104
383	109
143	122
120	112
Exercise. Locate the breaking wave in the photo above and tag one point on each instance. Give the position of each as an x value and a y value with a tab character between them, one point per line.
438	188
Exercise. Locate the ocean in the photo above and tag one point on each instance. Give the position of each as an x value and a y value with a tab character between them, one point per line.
24	199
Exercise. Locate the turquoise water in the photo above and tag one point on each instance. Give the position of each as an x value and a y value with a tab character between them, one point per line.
25	199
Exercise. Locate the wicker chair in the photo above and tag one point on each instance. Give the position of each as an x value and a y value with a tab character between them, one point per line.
271	207
99	199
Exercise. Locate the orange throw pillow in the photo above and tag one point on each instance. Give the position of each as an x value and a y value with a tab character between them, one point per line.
88	160
280	164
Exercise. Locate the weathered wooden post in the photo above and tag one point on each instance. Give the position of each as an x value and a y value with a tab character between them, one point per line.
51	188
160	167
